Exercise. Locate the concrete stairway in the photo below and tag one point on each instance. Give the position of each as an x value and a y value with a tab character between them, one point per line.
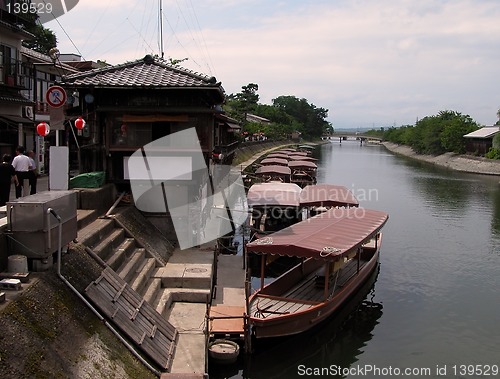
179	290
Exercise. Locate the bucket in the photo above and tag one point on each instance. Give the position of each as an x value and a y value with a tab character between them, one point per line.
17	264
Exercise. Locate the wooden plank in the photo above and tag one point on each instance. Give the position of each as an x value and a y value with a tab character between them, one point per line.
228	325
154	335
142	323
135	299
131	296
151	348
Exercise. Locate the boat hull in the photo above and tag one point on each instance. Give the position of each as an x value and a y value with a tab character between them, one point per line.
299	322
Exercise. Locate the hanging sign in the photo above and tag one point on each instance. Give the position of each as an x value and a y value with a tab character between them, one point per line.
56	96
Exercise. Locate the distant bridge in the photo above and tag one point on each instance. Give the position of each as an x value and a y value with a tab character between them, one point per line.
344	136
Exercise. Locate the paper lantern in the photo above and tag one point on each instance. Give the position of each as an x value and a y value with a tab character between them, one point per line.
43	129
79	123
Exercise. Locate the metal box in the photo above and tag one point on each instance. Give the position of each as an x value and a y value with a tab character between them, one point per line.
35	231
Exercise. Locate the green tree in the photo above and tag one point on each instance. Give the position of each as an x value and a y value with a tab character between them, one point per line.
44	40
243	102
435	134
311	118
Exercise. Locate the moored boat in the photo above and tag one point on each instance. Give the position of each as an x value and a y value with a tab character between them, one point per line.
303	172
339	249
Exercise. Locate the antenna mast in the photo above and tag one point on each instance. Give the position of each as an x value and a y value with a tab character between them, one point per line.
161	30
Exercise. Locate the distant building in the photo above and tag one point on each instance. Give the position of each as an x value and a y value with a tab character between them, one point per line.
14	122
257	119
481	140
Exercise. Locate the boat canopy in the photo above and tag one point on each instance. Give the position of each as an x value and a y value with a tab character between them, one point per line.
308	147
302	158
274	194
331	235
302	153
274	161
327	195
273	169
302	164
278	155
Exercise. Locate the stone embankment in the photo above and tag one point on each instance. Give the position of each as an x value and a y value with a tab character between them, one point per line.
458	162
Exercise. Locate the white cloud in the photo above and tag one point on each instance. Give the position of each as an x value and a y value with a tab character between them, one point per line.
368	62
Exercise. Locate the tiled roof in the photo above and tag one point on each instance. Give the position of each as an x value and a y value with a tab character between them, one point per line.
146	72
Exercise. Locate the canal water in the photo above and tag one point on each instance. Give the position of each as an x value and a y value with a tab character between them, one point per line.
433	310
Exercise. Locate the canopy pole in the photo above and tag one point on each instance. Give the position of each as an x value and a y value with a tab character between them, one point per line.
359	257
327	279
262	269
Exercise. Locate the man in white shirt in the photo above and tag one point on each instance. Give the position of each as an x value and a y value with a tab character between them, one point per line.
21	164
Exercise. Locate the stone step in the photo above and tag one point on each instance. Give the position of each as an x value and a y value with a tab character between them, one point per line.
152	290
106	247
121	253
167	296
179	275
142	275
85	217
128	268
91	234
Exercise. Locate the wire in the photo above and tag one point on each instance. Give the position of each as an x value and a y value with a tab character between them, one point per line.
64	30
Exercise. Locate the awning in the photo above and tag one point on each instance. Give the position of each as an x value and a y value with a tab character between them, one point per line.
274	194
14	97
273	169
155	118
329	235
233	126
327	195
11	119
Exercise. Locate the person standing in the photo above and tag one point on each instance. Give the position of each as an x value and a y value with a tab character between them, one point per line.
7	175
21	164
33	172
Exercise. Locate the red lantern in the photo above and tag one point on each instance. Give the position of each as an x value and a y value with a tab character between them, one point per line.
43	129
79	123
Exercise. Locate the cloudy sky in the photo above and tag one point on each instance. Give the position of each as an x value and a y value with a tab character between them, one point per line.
370	63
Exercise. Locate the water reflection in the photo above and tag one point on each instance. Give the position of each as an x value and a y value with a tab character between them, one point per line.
337	342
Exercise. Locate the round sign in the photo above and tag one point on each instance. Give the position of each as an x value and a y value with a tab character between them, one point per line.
56	96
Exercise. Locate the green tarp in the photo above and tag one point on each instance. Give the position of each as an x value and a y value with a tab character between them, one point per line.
88	180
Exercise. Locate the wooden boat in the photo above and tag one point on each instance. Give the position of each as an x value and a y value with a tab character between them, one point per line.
274	173
273	205
320	197
339	248
303	172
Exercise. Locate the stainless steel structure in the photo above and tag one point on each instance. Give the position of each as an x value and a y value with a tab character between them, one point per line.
35	229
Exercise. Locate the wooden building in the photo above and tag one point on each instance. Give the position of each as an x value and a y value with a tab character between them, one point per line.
130	108
132	104
481	140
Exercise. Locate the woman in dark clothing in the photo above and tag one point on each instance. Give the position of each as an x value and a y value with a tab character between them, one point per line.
7	173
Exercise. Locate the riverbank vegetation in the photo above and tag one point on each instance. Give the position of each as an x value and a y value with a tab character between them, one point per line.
287	115
432	135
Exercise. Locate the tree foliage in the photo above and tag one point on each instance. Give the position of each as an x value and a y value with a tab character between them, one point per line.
44	40
287	114
435	134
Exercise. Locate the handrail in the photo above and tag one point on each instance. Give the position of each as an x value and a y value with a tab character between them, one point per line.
95	311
